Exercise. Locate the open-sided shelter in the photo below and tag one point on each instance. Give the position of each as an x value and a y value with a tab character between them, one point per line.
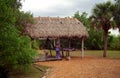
56	27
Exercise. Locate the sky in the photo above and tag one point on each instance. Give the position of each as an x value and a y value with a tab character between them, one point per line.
61	8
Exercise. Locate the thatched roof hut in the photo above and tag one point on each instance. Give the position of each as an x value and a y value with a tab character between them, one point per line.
54	27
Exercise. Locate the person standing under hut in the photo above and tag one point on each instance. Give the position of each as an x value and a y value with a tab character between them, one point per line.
57	49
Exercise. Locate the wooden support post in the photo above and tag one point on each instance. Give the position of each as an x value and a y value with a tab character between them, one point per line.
82	47
49	42
68	51
50	52
62	52
54	42
69	48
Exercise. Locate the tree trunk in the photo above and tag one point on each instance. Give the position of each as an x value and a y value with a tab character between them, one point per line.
105	43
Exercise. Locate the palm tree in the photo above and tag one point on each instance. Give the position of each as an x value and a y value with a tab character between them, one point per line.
116	13
102	18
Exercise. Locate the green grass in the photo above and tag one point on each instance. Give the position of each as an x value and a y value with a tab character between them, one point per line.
34	72
114	54
98	53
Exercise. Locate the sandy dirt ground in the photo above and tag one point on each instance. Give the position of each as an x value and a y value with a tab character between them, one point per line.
87	67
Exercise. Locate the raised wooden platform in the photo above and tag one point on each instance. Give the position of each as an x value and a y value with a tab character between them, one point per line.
41	58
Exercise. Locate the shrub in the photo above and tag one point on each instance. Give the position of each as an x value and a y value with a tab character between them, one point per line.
15	51
35	44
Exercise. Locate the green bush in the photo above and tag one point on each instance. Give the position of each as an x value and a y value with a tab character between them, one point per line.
15	51
114	42
35	44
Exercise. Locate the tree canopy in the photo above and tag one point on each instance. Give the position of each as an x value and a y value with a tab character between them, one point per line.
116	13
15	51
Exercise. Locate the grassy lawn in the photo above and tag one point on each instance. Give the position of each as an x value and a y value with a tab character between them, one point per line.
34	72
98	53
114	54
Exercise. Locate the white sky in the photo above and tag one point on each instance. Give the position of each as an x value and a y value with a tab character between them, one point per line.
115	32
61	8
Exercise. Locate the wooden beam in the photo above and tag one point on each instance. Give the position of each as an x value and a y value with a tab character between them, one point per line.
68	51
50	43
62	51
54	42
69	47
82	47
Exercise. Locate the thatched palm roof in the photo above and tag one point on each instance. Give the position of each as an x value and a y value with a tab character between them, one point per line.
54	27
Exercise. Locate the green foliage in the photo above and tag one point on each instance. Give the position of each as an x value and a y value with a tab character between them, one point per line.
114	42
35	44
94	41
23	19
102	18
8	10
82	18
15	51
102	15
116	13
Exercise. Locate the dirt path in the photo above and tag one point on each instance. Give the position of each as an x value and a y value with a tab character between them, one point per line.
84	68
